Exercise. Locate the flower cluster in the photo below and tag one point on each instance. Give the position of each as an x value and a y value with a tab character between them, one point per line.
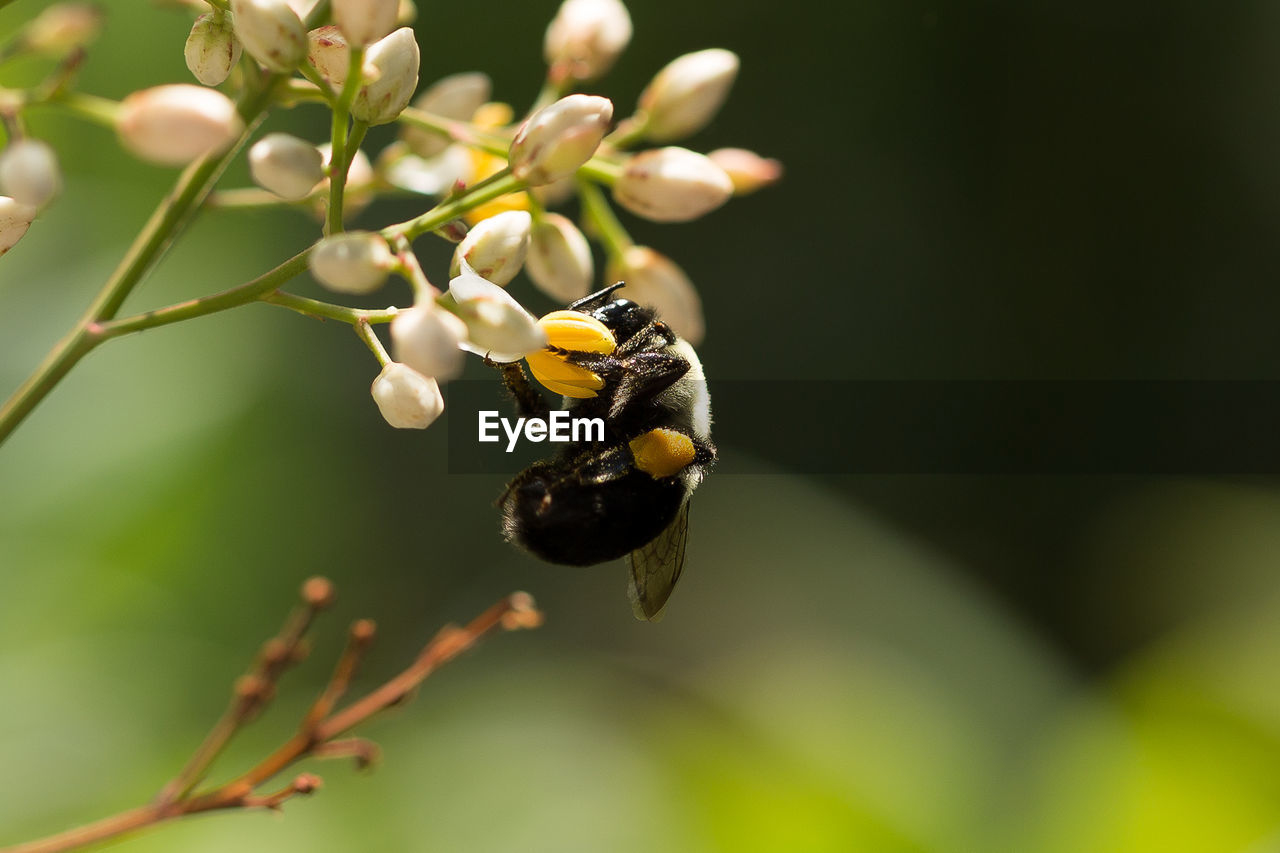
496	178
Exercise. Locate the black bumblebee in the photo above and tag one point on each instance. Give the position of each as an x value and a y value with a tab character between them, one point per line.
627	495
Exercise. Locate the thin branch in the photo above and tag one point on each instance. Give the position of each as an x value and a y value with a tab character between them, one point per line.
370	339
165	224
359	639
411	269
339	160
318	731
255	689
321	310
601	221
461	132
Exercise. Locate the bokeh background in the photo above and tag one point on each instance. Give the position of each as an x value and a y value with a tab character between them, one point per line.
975	190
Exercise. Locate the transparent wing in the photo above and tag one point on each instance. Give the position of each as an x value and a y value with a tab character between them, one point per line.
656	567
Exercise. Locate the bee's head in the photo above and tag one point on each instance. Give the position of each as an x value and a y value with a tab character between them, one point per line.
624	318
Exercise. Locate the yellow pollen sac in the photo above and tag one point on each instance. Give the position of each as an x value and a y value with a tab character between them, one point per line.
662	452
575	332
483	164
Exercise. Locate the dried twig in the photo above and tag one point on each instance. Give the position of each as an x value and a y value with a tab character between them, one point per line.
318	733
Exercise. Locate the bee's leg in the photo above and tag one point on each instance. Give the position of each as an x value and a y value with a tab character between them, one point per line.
528	401
652	336
646	375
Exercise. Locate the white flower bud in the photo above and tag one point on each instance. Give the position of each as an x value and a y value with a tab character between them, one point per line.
327	51
429	339
271	31
175	124
557	139
457	96
406	398
747	169
683	97
212	49
497	325
495	248
15	219
384	97
655	281
29	172
365	21
354	262
63	27
286	165
671	185
586	36
559	259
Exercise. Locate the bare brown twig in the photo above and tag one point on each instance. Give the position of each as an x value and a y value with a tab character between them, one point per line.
317	735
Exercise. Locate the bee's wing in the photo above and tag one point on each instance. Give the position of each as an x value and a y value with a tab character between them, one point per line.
656	567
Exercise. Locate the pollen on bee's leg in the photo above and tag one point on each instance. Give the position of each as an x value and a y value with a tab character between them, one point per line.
569	332
561	377
577	332
662	452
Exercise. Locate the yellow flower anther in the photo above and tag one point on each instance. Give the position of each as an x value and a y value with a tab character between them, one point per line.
483	165
662	452
575	332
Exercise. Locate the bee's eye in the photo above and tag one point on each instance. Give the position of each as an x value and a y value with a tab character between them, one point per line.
575	332
662	452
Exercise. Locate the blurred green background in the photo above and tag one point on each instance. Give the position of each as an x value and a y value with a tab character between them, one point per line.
925	663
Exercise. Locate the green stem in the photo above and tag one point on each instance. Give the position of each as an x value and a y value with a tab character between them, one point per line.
249	197
601	171
266	286
604	222
308	70
629	131
552	90
168	220
327	310
319	15
98	110
537	210
365	331
339	163
98	323
78	343
354	138
457	131
238	198
192	308
496	185
412	270
302	91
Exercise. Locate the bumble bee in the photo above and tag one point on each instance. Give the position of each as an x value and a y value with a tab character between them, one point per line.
627	495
